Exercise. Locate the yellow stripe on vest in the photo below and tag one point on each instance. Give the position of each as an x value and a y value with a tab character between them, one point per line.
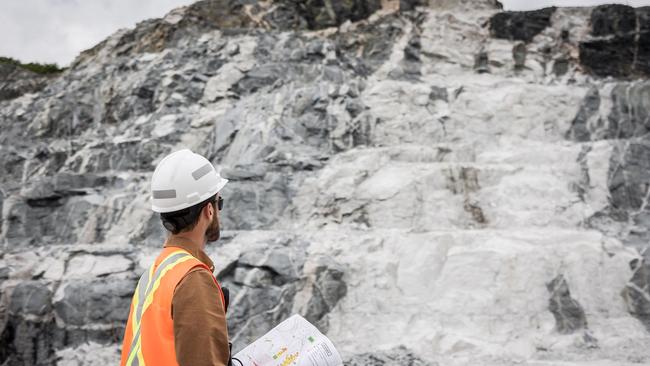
140	292
143	297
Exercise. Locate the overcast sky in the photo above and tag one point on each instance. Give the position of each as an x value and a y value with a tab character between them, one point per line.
57	30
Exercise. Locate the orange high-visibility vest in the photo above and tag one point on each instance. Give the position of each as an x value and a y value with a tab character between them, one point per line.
149	334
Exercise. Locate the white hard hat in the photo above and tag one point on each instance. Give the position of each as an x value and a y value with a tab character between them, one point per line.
181	180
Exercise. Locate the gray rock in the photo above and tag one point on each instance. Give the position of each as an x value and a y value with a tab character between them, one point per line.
31	298
71	182
4	273
366	49
619	47
219	85
399	356
519	55
249	201
481	62
37	221
560	66
613	19
520	25
255	308
285	16
438	93
629	172
89	354
264	281
581	129
13	164
628	167
327	288
408	5
322	14
637	291
84	302
626	184
245	172
278	260
83	265
16	81
27	342
569	314
258	78
255	277
630	113
29	334
150	232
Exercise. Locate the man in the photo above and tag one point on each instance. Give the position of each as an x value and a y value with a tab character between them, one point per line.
178	312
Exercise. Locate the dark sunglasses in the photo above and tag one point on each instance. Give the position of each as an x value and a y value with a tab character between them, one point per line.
220	203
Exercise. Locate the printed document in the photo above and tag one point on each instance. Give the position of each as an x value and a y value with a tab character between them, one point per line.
294	342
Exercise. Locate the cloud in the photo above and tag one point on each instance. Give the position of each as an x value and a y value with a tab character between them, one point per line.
57	30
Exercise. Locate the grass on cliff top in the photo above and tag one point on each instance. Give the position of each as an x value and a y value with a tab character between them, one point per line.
43	69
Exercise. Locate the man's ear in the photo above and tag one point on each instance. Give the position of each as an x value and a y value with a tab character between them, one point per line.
207	209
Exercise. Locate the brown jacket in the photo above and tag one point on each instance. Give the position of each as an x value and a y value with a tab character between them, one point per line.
200	330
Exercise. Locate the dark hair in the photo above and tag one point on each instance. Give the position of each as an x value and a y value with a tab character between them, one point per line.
185	219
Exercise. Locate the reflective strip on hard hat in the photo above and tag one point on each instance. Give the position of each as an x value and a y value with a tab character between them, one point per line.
197	174
143	297
167	193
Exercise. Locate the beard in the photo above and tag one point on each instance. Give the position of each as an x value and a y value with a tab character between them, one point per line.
213	232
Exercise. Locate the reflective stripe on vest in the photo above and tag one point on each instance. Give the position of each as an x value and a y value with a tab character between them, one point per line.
143	297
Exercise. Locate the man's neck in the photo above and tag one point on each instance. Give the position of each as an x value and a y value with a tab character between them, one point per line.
195	239
192	245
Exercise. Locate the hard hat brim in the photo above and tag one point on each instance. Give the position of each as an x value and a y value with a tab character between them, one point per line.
211	192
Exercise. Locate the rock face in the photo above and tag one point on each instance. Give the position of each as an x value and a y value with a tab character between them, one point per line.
569	315
26	336
520	25
620	44
636	291
398	356
272	278
16	81
428	182
623	121
326	13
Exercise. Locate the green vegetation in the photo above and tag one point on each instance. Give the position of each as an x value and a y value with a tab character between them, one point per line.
33	66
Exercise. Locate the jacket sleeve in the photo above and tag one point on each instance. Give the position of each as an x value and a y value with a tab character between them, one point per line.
200	330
